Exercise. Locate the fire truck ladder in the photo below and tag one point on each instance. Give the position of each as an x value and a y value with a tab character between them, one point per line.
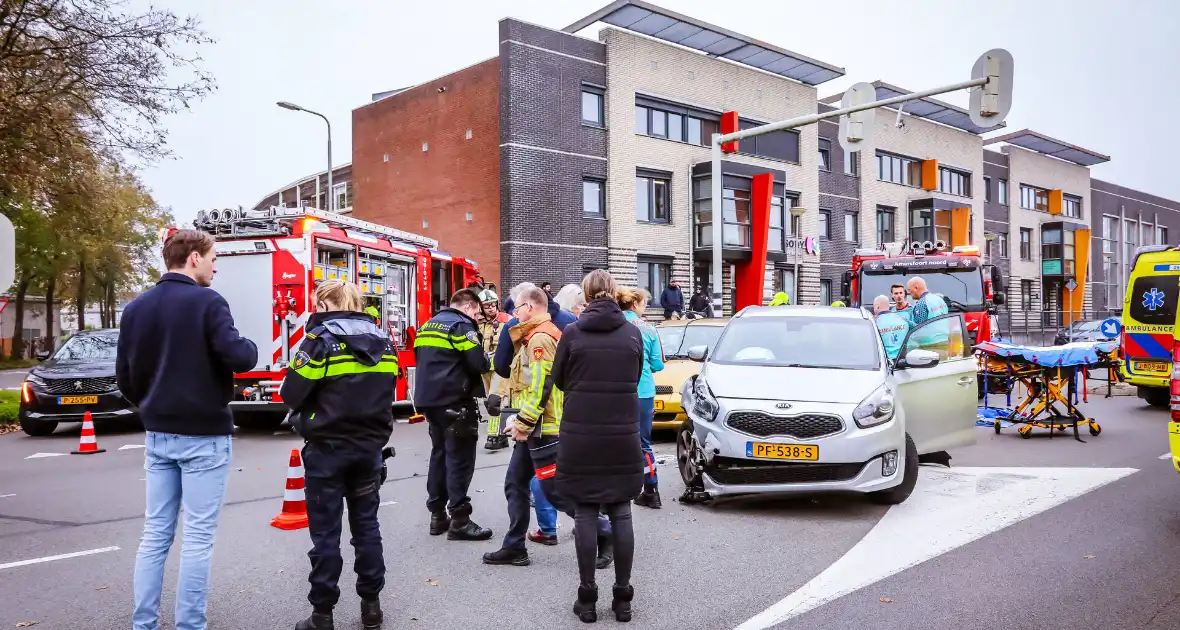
279	221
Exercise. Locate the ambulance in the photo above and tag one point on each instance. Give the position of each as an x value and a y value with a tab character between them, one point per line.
1149	322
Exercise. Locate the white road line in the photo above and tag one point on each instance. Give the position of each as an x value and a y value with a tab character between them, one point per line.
127	447
1165	456
64	556
5	496
384	503
40	455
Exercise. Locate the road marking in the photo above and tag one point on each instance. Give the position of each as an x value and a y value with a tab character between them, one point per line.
384	503
1165	456
5	496
127	447
40	455
948	509
64	556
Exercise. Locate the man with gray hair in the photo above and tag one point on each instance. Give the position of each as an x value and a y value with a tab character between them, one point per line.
891	324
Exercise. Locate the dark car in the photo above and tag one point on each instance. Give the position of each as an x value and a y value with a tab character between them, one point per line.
1083	331
79	377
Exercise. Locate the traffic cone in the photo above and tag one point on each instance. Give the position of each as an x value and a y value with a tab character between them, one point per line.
88	444
294	514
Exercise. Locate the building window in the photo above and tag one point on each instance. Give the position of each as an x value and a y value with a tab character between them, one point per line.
1130	242
1110	233
1034	198
641	117
1025	244
1148	232
825	154
852	163
1161	234
736	216
343	195
592	106
825	224
825	292
1110	274
796	222
1002	192
780	218
651	198
852	227
899	170
930	225
885	228
987	189
953	182
784	280
674	122
1002	240
593	197
1026	295
1071	206
653	275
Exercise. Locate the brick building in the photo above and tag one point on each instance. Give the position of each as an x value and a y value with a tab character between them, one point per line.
565	153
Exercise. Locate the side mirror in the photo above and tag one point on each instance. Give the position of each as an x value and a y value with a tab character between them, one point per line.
997	280
918	359
698	353
999	298
42	355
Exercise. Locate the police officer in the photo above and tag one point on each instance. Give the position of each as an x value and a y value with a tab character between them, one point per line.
451	364
491	320
339	387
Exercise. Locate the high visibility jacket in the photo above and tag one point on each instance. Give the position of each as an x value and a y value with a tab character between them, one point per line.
450	360
928	307
340	382
893	327
530	383
489	329
780	299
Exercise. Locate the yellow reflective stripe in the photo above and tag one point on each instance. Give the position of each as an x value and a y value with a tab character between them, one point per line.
464	346
530	400
310	372
356	367
431	342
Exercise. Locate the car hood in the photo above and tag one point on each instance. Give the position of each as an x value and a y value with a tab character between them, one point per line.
793	384
676	372
73	369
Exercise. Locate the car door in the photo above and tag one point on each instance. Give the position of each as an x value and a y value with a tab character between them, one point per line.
939	402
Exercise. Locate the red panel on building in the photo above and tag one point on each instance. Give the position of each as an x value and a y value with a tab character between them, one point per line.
729	124
750	275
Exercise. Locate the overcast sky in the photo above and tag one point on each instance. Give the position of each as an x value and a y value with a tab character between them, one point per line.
1098	74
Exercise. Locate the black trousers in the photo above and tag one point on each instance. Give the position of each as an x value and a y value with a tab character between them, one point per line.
536	456
337	474
453	444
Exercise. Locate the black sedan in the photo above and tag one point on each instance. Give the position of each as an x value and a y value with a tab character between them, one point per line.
79	377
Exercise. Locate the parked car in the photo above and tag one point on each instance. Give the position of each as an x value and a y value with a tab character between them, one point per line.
79	377
1083	331
804	399
677	337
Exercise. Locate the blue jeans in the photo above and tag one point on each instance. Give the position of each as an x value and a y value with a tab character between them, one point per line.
646	415
188	470
546	513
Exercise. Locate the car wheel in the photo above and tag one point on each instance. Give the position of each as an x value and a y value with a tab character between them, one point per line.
258	421
36	428
1157	398
902	491
690	473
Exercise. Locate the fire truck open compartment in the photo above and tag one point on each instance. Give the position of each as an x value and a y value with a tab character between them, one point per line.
385	285
244	280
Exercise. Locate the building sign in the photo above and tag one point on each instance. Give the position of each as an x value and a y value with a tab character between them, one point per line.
796	245
1050	267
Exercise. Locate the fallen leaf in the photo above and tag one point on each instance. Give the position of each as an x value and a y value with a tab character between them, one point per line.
432	581
100	588
886	600
26	624
1089	556
675	538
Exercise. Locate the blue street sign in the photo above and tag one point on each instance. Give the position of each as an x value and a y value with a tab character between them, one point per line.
1111	328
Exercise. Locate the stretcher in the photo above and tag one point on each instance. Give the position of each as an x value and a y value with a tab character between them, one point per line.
1049	378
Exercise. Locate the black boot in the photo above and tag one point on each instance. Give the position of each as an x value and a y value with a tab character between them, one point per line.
650	497
621	604
584	608
497	442
516	558
463	528
606	552
439	523
317	621
371	616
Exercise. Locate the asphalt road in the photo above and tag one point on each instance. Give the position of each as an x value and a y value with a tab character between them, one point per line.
11	379
1019	533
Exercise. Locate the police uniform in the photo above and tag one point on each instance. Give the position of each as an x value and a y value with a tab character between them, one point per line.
449	377
340	388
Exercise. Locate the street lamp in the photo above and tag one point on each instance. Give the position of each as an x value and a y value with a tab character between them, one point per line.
295	108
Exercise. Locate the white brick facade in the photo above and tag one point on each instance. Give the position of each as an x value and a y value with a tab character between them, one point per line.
644	66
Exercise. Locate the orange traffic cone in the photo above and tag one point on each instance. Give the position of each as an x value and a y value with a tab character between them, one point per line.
88	444
294	514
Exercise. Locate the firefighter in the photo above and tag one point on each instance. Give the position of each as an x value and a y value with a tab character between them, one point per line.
339	387
451	363
491	320
839	303
780	299
371	311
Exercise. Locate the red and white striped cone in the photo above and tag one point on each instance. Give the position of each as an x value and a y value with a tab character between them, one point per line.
294	514
88	443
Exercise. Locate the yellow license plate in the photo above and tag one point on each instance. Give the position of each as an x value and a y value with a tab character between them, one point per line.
765	450
77	400
659	405
1152	366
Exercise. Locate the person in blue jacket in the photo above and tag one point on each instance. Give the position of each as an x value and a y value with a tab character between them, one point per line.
893	325
634	303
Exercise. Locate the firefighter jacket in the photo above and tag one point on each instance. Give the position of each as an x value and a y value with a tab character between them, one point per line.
340	382
530	384
489	329
450	360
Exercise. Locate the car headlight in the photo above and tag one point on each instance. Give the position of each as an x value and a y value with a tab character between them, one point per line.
35	380
703	402
876	409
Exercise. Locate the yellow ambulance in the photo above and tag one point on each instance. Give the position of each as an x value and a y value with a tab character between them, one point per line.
1149	322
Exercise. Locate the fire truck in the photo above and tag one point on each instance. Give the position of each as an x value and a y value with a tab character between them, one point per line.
958	274
269	262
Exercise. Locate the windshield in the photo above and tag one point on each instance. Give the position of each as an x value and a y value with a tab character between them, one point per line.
1153	300
963	290
88	348
676	340
799	341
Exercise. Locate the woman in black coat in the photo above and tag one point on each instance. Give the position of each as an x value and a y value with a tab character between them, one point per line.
599	460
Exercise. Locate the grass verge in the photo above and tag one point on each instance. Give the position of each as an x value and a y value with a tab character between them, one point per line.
17	364
9	407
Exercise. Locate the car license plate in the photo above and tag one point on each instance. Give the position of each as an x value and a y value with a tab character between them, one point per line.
1151	366
765	450
77	400
659	405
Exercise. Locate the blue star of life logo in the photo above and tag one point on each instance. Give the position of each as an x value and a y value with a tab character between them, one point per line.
1153	299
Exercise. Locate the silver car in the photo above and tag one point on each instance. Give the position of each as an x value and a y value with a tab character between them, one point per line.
798	399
